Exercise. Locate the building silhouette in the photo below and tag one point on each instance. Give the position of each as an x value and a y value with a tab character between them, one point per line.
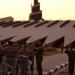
36	13
55	32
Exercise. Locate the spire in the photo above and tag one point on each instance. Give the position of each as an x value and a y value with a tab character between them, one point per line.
36	13
35	2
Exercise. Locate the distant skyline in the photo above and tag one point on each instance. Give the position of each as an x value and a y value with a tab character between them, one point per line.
52	9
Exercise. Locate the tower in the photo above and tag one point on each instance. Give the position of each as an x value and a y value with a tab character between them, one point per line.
36	13
35	2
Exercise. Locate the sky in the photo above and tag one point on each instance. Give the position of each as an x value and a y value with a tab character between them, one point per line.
52	9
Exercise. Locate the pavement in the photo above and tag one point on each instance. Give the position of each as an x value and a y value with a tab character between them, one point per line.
63	71
50	62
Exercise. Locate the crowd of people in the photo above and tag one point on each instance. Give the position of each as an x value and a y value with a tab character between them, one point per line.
9	51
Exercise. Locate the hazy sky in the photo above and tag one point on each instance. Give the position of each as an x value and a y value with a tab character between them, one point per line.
52	9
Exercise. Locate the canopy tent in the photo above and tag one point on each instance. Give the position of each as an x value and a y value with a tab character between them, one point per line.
31	31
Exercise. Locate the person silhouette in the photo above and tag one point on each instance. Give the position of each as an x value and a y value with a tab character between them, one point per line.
71	59
39	50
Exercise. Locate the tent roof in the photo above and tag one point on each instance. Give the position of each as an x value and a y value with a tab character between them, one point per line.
53	30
